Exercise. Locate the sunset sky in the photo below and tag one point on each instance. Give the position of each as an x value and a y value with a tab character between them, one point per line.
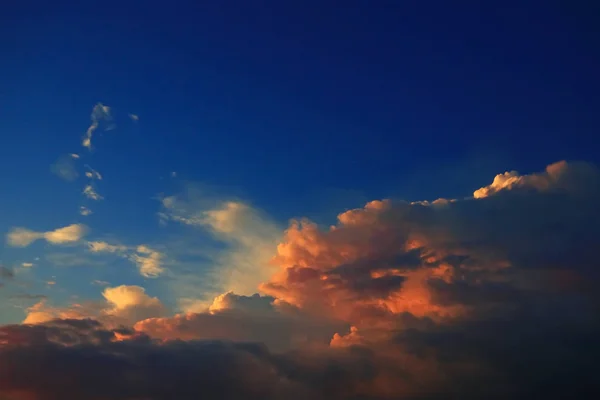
294	200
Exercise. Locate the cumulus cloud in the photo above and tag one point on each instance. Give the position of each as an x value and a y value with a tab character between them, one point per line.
490	296
22	237
131	304
122	305
255	318
101	114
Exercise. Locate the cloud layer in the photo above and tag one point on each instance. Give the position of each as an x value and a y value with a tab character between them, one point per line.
490	296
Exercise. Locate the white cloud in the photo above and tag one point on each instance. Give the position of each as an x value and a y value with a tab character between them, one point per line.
91	173
90	193
74	155
85	211
98	247
27	265
134	117
22	237
100	113
132	304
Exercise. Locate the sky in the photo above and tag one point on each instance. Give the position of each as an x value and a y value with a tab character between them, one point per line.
380	200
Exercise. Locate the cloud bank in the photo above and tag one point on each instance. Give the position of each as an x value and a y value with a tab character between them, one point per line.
490	296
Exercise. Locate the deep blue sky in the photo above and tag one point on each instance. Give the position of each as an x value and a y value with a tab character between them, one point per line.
300	108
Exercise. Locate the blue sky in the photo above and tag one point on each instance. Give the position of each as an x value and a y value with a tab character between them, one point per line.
290	110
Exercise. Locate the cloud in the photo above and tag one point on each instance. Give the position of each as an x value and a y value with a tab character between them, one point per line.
91	193
131	304
489	296
85	211
98	247
65	168
119	363
22	237
250	237
149	261
101	114
246	319
27	265
92	173
121	305
134	117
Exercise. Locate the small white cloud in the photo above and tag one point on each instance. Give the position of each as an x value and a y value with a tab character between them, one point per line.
100	247
100	113
74	155
173	174
27	265
92	173
22	237
100	283
90	193
134	117
85	211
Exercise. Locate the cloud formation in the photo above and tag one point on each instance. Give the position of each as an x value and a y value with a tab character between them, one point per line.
121	306
100	114
256	318
148	260
22	237
90	193
490	296
247	240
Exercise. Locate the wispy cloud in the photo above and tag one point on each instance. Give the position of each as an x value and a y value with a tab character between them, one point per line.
100	113
90	193
148	260
85	211
23	237
248	239
65	168
91	173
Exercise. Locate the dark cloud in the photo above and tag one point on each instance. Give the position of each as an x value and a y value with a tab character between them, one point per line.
79	359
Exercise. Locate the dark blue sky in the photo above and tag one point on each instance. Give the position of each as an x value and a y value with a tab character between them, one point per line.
300	108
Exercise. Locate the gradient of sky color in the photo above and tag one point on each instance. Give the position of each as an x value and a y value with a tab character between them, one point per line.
213	124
